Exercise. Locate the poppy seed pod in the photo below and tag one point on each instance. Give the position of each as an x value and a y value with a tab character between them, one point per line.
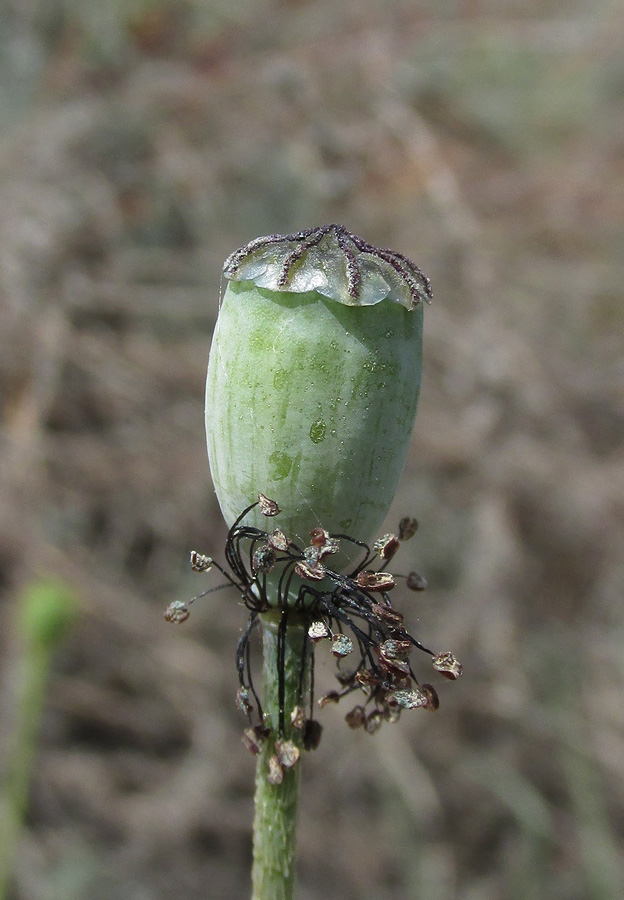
313	380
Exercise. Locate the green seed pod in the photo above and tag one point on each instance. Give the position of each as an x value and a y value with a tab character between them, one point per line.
313	381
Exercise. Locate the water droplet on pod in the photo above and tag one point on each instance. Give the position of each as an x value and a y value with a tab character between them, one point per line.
317	431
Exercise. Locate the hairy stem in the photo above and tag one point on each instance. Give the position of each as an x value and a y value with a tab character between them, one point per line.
275	822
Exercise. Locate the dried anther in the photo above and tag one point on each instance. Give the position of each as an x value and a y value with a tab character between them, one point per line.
315	552
356	718
374	721
329	697
278	540
330	547
393	649
177	612
388	614
249	740
264	559
345	677
393	656
387	546
415	582
254	739
447	665
366	679
341	645
312	731
268	507
312	556
407	528
287	753
353	610
323	542
376	581
392	665
317	631
433	701
276	772
242	701
411	699
199	562
310	573
319	537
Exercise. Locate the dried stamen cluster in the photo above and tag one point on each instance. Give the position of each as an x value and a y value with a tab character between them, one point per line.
352	612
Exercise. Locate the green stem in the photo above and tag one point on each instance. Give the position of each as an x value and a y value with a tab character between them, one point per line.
45	611
275	822
19	762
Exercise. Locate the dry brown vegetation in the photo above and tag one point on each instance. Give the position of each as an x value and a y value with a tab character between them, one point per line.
142	142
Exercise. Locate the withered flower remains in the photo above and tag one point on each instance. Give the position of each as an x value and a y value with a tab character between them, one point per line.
352	612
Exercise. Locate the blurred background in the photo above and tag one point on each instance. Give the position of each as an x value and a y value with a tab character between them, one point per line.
141	142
